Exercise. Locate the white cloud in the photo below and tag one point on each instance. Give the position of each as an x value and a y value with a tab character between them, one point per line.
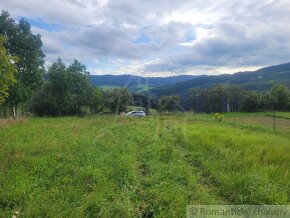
164	37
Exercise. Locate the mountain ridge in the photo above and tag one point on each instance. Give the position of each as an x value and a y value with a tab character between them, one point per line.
131	80
258	80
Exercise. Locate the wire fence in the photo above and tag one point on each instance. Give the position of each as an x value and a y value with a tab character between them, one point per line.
268	120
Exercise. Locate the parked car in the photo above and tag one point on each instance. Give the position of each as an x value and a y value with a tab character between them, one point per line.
136	113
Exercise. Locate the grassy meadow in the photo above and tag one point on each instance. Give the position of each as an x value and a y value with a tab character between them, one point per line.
117	166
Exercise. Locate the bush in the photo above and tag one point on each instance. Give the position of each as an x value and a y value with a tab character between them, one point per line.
219	117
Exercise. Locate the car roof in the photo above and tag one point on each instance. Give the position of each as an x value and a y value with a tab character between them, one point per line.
136	112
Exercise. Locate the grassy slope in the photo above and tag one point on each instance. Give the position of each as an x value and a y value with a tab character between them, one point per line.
141	88
136	167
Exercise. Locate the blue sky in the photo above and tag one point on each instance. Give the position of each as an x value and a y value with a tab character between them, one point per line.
40	23
160	39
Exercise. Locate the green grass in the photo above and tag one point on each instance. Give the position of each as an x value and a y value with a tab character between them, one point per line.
106	88
136	88
261	119
285	115
279	114
141	88
111	166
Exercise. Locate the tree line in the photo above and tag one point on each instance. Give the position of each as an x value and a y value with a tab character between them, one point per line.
223	98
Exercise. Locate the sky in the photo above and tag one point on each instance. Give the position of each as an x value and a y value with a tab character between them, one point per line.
160	37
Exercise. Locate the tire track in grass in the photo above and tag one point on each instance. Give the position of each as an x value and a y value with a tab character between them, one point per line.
172	185
166	182
144	205
147	155
204	177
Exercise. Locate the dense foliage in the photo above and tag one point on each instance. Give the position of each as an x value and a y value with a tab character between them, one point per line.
118	99
232	99
30	65
169	103
67	91
8	71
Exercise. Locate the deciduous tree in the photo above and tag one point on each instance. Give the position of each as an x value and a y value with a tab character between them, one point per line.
8	71
169	103
281	96
27	47
118	99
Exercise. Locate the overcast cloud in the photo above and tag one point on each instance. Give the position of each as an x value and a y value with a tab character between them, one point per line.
160	38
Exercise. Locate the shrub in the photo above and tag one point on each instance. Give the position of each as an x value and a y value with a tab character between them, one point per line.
219	117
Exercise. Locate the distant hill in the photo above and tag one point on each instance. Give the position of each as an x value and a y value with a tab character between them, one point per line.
259	80
136	83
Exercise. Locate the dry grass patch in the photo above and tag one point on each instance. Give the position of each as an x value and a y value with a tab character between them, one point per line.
10	121
265	121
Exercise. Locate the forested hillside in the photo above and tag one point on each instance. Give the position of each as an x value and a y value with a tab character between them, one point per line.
260	80
136	83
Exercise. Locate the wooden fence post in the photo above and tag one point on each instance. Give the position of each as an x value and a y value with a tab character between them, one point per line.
274	120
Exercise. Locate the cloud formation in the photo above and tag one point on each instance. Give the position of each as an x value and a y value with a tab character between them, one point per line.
161	38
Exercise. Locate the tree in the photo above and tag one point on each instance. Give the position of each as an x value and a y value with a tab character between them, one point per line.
44	103
235	96
66	91
280	96
79	86
8	71
58	80
95	100
197	100
118	99
267	101
27	47
145	101
251	102
169	103
215	99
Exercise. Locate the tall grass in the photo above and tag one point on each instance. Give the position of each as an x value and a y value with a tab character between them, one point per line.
112	166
